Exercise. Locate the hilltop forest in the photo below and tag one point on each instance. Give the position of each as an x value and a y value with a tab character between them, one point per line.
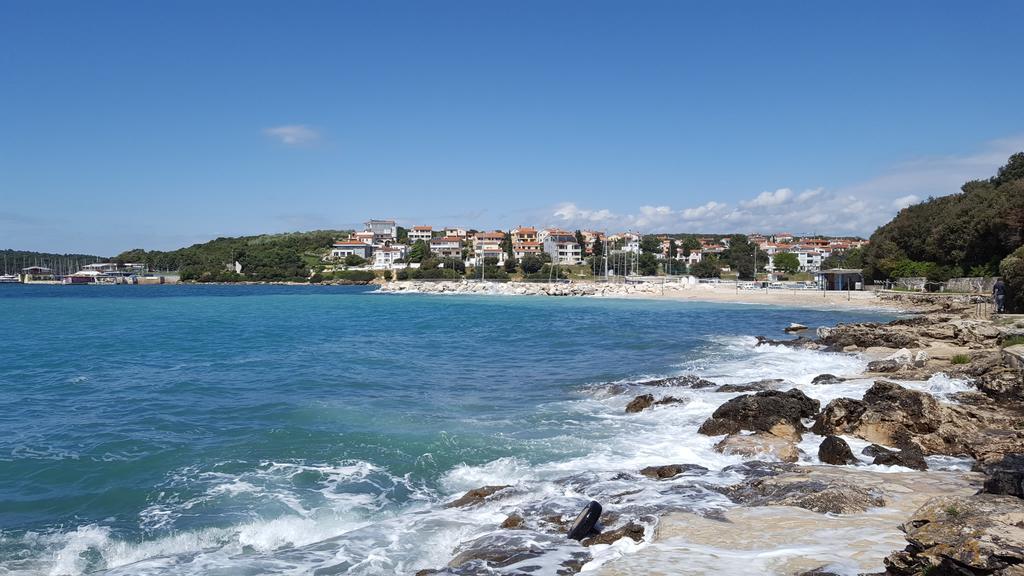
964	234
264	258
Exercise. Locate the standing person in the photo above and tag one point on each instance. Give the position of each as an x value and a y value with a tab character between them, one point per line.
999	294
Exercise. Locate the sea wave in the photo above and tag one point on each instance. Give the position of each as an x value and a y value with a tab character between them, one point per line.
354	517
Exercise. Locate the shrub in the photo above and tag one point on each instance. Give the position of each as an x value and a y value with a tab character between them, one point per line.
354	260
960	359
355	276
1012	271
1012	341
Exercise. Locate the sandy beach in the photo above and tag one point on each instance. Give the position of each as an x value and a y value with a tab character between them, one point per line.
719	293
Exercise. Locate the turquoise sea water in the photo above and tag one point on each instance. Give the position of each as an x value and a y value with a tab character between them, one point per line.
262	429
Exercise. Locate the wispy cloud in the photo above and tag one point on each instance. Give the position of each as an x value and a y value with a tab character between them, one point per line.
857	208
293	134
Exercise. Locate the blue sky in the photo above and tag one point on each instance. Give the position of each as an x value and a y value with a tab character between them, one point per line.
150	124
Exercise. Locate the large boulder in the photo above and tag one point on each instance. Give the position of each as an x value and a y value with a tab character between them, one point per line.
671	470
835	450
891	415
818	494
631	530
475	496
1005	476
759	444
909	457
778	413
868	335
645	401
982	534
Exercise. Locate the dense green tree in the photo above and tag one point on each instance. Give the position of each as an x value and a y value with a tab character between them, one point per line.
689	245
708	267
740	256
973	229
648	264
506	245
581	241
650	245
354	260
852	258
786	262
1012	271
420	250
510	264
454	264
531	264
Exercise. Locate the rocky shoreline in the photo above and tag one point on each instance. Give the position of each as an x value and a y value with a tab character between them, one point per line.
973	524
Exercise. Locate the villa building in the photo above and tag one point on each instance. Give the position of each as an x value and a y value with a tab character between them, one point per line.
384	231
385	258
344	248
447	247
561	246
424	233
488	245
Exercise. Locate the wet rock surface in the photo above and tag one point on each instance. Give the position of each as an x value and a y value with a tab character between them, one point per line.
758	386
973	535
818	494
827	379
631	530
772	411
645	401
475	496
835	450
672	470
759	444
1005	476
909	457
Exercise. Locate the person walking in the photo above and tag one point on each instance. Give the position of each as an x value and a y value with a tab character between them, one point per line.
999	295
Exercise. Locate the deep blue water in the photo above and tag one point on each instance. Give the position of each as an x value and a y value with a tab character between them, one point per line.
139	414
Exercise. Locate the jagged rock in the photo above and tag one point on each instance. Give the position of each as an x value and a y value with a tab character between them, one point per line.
779	413
885	366
684	381
827	380
794	327
640	403
830	495
1005	476
645	401
758	386
889	415
475	496
969	535
818	572
867	335
513	522
759	444
835	450
799	342
909	457
498	549
632	530
671	470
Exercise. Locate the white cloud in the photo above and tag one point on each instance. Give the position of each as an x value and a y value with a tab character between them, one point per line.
780	196
904	201
570	213
856	208
293	134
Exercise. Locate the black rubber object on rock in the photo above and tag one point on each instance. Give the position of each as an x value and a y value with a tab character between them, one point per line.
584	524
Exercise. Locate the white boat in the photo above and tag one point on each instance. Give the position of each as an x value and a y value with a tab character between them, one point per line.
9	279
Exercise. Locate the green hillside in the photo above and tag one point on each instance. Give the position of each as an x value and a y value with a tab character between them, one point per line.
267	257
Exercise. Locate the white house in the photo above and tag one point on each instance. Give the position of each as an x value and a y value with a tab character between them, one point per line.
488	245
386	257
384	231
810	260
561	246
424	233
447	247
455	231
